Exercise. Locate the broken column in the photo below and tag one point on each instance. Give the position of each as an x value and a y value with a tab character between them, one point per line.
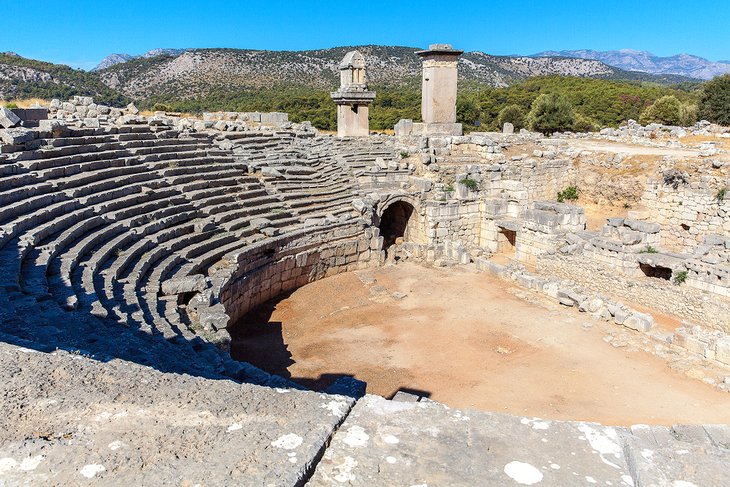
438	93
353	98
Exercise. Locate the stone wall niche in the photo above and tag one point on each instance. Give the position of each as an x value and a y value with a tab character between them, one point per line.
353	97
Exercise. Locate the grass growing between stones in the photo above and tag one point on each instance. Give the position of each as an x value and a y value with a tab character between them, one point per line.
680	277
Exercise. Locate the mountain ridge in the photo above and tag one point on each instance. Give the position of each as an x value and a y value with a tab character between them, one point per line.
195	72
682	64
183	74
119	58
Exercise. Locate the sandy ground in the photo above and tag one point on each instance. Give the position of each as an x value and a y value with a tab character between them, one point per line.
461	338
596	215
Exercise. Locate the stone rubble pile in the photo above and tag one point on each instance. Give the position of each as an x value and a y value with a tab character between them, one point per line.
83	111
710	344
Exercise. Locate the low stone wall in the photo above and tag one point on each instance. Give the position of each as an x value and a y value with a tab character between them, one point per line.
458	221
682	301
689	213
268	269
541	178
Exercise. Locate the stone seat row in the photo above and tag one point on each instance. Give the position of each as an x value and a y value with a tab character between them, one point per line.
94	240
93	223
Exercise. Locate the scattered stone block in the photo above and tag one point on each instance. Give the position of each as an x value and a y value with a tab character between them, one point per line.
187	284
55	127
92	123
8	119
639	322
722	350
271	172
17	136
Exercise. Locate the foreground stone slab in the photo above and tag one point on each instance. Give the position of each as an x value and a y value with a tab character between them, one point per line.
425	443
70	420
681	456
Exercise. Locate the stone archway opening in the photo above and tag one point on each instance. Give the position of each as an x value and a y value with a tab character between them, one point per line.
507	241
395	224
657	272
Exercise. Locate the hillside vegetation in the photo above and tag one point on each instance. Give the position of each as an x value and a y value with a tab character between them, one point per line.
299	82
28	78
197	73
602	103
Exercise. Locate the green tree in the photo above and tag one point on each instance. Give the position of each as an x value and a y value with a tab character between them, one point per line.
666	110
715	100
467	112
689	114
551	113
513	114
584	124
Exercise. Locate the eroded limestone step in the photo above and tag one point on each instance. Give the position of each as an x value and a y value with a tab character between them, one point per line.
385	443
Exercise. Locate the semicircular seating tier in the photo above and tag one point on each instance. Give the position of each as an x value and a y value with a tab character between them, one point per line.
143	243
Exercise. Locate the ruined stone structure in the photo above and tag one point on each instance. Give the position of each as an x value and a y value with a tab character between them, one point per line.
438	89
438	93
131	243
353	97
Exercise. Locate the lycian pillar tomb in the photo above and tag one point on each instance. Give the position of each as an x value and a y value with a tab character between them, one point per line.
438	93
353	97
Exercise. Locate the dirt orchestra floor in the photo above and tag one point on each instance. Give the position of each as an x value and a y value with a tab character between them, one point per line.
462	338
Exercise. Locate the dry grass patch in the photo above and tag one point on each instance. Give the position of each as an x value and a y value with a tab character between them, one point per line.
26	102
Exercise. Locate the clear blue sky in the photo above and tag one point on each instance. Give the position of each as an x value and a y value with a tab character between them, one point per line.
82	32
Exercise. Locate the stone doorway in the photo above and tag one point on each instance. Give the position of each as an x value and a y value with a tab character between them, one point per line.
506	241
395	223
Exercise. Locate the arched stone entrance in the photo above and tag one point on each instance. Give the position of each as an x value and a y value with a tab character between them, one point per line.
396	222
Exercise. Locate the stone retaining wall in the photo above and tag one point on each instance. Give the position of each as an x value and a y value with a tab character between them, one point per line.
682	301
263	272
689	213
458	221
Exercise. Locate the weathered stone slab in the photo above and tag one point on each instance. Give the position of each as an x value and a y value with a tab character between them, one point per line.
186	284
17	136
641	226
639	321
8	119
683	456
425	443
119	423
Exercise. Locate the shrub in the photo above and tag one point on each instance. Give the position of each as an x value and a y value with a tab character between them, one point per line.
467	111
513	114
469	183
720	196
551	113
584	124
449	188
679	277
403	154
675	178
689	114
570	193
667	110
715	100
11	105
649	250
